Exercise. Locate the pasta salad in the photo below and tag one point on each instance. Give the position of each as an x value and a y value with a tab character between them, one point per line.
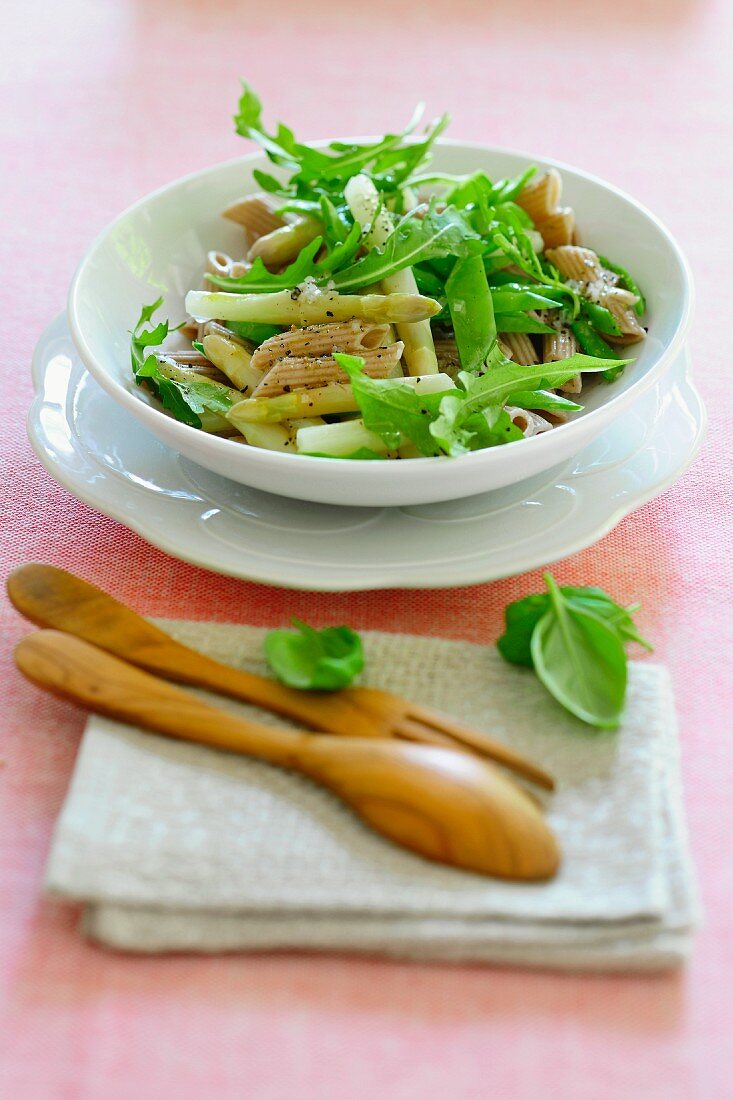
376	310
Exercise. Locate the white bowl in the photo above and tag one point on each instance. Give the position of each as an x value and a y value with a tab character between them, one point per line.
158	246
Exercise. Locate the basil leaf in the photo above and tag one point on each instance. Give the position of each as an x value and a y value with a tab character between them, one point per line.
471	311
522	616
581	661
314	660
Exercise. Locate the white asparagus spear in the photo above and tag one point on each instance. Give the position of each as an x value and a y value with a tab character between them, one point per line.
363	199
310	307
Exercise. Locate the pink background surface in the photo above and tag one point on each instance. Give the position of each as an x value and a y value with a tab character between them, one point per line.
102	102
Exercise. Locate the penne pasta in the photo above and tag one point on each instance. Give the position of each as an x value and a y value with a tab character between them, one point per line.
256	214
560	345
541	196
446	352
529	423
558	228
519	347
576	263
620	303
297	373
352	337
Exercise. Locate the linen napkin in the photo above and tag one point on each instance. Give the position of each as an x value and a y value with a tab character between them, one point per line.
175	847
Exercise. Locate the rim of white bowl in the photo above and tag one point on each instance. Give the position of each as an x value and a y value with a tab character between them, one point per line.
150	415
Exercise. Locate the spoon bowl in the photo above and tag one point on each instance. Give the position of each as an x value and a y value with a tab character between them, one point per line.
445	805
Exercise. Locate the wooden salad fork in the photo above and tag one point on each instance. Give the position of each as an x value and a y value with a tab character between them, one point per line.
54	598
445	805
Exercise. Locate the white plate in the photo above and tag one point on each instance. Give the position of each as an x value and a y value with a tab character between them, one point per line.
158	247
104	457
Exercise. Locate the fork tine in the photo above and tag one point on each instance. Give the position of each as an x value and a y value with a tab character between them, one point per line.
422	724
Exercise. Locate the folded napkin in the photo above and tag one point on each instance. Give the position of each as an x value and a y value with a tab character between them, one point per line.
175	847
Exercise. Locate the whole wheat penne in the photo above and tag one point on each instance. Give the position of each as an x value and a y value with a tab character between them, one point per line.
319	307
621	304
574	262
557	229
306	372
519	347
541	196
560	345
529	423
446	353
256	214
352	337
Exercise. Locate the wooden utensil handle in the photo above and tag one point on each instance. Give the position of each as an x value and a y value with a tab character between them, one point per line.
79	671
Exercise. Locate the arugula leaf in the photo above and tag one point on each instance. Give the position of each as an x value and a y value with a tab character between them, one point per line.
471	311
581	661
390	408
317	171
414	239
315	660
459	432
542	401
258	280
504	377
188	400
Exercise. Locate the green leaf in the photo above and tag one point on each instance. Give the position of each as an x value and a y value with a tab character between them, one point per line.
390	408
414	240
522	616
458	433
314	660
581	661
471	311
186	401
250	330
542	401
258	280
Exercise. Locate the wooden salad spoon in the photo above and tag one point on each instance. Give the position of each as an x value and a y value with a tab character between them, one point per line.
52	597
445	805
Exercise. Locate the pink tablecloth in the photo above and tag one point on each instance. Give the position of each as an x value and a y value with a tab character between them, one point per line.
102	103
